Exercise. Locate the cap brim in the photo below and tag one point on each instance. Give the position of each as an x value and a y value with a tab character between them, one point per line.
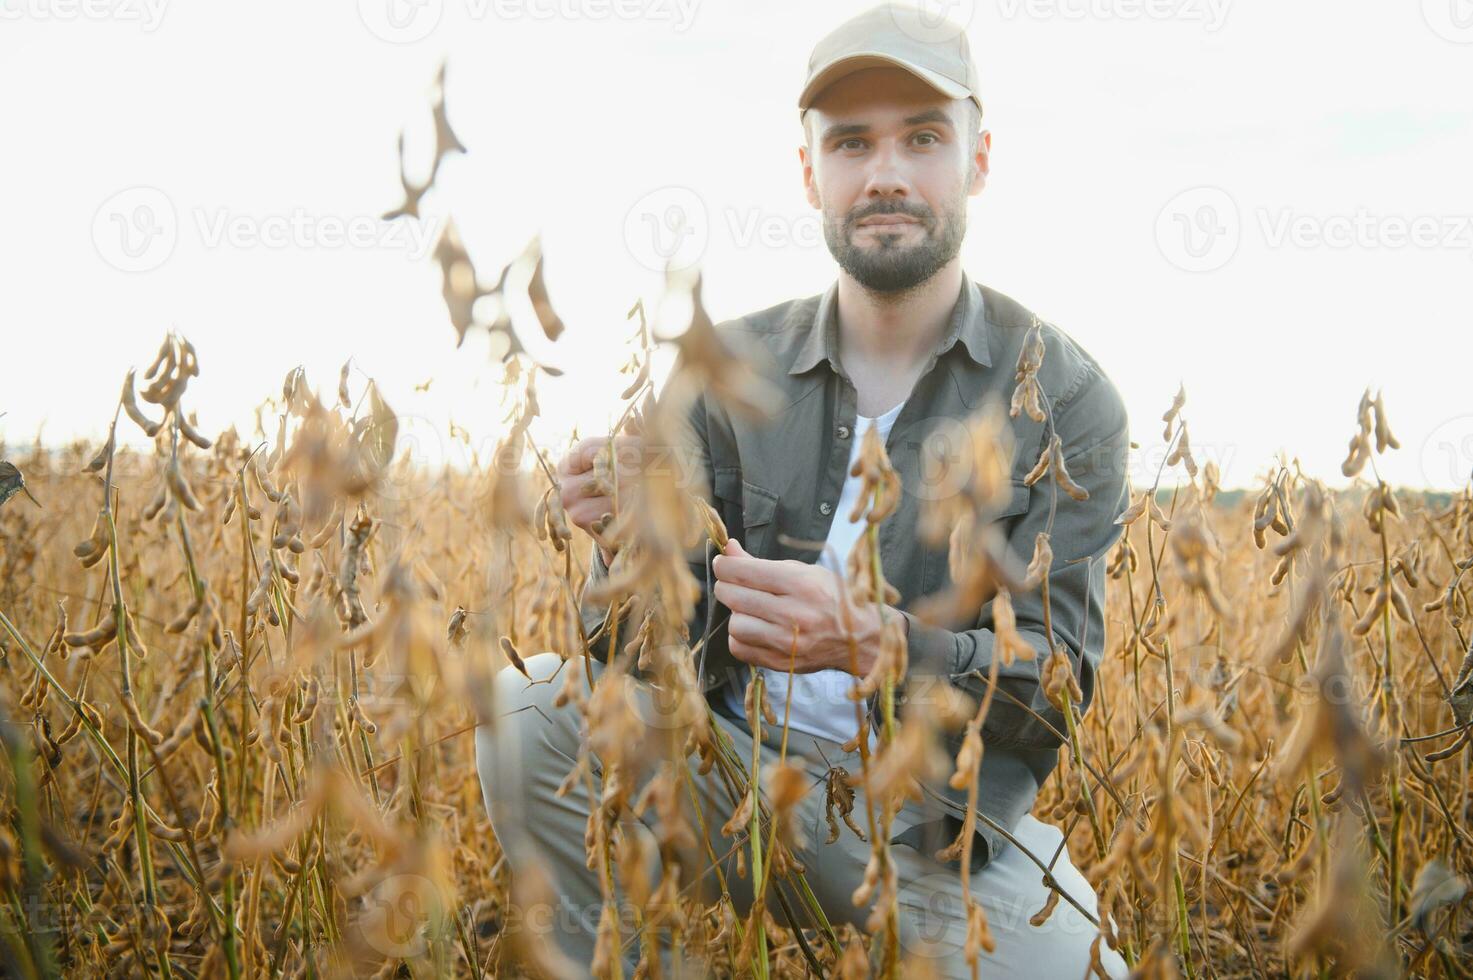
850	64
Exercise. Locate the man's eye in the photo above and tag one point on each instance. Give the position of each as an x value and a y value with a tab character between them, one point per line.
853	142
932	137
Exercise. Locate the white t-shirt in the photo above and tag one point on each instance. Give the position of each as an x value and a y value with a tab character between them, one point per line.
820	700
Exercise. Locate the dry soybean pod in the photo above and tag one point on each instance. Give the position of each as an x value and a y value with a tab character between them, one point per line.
190	432
308	707
183	492
135	717
130	405
100	634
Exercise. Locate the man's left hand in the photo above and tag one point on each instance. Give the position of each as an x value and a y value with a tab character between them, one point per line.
768	598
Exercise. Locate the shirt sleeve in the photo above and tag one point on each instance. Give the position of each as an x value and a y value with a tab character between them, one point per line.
692	454
593	613
1092	424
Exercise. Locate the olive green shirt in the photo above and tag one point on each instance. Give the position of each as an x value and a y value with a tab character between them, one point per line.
776	484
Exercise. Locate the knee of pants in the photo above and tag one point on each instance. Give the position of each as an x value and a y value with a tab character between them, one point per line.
525	724
523	700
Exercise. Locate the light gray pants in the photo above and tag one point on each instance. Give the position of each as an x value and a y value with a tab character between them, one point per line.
534	744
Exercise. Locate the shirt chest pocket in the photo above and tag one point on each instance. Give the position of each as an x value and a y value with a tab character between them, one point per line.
937	568
747	509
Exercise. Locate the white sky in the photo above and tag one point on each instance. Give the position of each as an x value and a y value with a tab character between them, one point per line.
1305	120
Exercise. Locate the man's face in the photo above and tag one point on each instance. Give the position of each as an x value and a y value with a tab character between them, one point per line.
891	161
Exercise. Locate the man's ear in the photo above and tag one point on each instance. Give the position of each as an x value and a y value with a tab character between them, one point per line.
810	188
981	163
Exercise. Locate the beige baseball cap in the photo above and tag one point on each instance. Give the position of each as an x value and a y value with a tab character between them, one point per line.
894	35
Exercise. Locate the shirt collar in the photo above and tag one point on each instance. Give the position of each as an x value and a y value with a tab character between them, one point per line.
968	324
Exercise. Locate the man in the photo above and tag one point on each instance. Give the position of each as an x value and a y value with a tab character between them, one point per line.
906	342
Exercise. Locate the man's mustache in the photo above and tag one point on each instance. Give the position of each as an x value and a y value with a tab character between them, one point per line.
921	214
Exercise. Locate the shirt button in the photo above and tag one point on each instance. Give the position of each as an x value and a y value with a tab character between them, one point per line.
844	432
825	508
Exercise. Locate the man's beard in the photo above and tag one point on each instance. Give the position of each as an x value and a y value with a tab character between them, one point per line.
887	266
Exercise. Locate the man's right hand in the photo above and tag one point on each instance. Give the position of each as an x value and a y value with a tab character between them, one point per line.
585	499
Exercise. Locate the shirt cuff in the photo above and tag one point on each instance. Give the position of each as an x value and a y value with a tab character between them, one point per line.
931	649
593	613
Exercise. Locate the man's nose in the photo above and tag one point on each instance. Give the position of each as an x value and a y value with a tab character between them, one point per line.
887	175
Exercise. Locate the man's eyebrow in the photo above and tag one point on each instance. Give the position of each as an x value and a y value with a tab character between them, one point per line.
930	115
844	129
858	129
